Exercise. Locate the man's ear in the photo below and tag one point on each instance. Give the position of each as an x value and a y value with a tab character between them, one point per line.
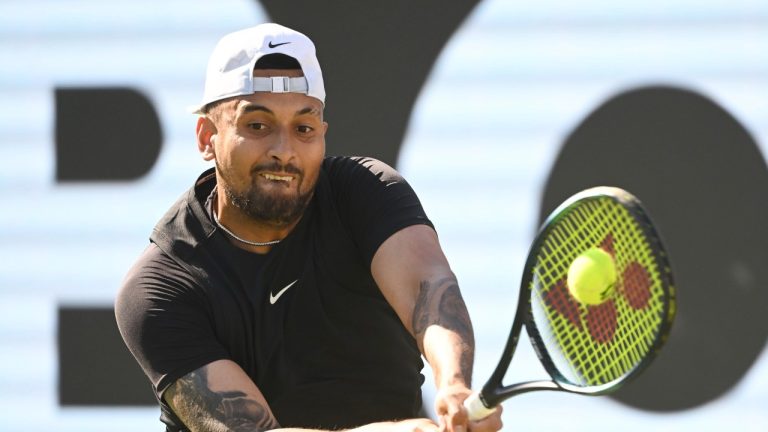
206	135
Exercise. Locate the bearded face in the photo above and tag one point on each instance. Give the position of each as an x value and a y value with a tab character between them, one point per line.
275	194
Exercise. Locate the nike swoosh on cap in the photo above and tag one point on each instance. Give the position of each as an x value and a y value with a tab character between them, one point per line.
273	298
271	45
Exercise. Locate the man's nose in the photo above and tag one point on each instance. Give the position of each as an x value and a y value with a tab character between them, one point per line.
282	148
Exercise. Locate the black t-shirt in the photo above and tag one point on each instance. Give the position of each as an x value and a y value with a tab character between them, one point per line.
306	321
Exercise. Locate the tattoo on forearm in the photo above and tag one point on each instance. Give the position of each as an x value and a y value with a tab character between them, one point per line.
212	411
440	303
421	315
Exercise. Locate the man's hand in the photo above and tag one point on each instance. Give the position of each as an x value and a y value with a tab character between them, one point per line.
449	405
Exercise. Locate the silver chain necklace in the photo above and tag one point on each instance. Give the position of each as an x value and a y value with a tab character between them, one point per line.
242	240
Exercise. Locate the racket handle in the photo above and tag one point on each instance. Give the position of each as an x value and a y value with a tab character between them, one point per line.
476	409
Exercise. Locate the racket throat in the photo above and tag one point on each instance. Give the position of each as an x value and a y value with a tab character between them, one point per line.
495	397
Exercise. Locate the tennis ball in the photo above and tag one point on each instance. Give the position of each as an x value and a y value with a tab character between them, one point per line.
592	276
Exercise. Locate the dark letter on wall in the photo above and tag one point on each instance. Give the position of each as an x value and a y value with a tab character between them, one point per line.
95	367
705	185
376	56
105	134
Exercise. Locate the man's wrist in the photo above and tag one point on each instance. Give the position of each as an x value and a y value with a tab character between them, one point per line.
457	379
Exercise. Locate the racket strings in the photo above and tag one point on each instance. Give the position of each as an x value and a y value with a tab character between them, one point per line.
594	345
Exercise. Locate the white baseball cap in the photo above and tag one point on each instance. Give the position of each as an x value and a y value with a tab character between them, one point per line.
230	68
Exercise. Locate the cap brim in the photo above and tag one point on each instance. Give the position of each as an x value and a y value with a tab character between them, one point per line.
196	109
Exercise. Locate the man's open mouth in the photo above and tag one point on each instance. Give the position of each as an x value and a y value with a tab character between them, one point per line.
275	177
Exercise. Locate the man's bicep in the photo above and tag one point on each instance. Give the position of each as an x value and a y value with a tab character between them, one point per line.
164	319
406	263
219	397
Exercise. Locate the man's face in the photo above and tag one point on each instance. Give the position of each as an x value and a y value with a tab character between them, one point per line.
268	151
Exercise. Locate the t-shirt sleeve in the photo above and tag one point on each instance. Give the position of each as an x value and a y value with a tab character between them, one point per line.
374	201
164	320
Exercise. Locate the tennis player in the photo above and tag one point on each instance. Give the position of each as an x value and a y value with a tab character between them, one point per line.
287	290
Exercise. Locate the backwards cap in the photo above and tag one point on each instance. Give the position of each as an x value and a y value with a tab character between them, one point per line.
230	68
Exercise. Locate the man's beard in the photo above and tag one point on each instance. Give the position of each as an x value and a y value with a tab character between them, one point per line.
265	207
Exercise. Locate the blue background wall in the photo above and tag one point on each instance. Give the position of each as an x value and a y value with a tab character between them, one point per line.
510	85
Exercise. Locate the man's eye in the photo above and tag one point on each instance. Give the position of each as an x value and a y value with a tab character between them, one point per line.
304	129
257	126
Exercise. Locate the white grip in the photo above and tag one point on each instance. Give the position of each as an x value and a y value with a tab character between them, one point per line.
476	409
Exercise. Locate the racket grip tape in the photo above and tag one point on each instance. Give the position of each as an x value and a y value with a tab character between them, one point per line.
476	409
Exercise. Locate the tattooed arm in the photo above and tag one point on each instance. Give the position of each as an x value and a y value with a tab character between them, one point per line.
220	397
415	278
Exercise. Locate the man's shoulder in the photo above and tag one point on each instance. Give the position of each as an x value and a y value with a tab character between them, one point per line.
359	167
185	225
350	162
155	265
153	255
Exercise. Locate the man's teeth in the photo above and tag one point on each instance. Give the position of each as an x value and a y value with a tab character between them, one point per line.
277	177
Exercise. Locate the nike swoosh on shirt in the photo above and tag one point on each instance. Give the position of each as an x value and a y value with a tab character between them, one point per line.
273	298
275	45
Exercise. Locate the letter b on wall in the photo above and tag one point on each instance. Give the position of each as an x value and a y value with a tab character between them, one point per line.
105	134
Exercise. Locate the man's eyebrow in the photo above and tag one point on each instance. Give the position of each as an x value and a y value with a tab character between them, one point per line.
308	110
253	108
249	108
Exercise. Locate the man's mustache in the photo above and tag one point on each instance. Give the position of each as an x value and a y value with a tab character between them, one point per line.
277	168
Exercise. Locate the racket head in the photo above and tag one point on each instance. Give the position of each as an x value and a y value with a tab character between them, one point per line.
594	349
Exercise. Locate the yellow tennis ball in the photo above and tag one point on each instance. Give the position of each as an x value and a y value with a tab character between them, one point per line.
592	276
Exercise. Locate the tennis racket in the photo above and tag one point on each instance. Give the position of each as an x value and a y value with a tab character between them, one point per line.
589	349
